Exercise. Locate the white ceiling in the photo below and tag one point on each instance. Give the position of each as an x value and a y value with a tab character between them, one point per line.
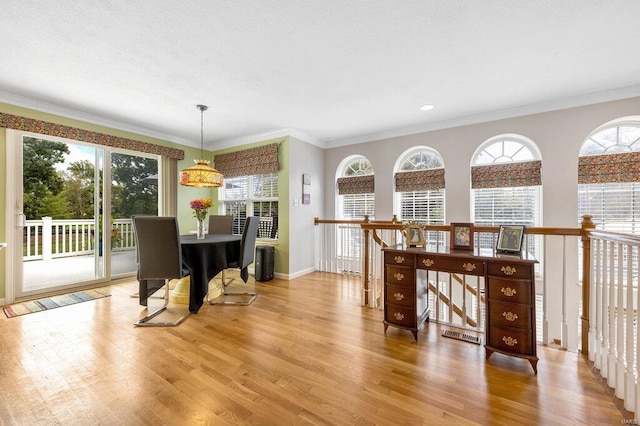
331	72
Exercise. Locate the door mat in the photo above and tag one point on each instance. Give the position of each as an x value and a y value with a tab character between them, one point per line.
53	302
461	336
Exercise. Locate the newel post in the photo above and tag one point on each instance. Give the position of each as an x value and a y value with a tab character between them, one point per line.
365	272
587	225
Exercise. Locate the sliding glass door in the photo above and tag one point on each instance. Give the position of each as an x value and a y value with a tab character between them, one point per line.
74	213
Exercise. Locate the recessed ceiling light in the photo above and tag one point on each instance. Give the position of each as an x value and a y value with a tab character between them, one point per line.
426	107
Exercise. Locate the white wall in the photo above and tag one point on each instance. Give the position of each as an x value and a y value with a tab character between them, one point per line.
304	159
559	136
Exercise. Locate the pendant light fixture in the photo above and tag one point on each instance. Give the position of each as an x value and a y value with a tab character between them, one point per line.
201	175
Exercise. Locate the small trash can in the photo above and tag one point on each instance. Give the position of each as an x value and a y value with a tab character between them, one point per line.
264	263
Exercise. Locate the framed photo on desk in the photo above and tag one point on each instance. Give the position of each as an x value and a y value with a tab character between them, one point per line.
510	239
413	235
461	236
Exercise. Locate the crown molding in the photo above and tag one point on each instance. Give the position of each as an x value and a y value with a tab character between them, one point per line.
229	143
573	102
48	108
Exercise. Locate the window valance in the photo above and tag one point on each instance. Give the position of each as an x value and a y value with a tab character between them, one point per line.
17	122
361	184
611	168
254	161
420	180
506	175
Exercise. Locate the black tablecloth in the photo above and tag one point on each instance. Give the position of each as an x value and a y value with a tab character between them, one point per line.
205	259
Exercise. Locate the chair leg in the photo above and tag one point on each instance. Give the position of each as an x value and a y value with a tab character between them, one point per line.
220	300
145	322
223	280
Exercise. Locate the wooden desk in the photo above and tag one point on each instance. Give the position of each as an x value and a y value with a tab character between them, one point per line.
509	293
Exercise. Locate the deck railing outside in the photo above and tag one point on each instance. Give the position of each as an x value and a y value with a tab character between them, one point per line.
48	238
586	288
54	238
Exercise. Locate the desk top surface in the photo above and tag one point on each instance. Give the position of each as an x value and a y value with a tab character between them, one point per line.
477	253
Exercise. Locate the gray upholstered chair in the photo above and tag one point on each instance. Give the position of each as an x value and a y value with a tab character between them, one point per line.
159	258
247	256
220	224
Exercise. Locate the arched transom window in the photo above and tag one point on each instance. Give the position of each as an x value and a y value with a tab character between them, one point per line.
419	186
355	185
609	177
506	183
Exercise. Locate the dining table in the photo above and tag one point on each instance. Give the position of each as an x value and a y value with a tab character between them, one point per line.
205	258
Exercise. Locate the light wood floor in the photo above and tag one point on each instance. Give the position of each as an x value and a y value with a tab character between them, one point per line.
304	353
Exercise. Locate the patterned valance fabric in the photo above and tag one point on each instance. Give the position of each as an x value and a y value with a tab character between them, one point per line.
612	168
420	180
254	161
507	175
361	184
17	122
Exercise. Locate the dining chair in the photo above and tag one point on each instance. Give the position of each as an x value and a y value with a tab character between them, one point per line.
247	256
159	257
220	224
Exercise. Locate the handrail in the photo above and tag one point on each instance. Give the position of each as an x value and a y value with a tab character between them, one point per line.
373	227
610	288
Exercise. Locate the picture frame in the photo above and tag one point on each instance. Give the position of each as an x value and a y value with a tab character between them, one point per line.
510	239
461	236
413	235
306	188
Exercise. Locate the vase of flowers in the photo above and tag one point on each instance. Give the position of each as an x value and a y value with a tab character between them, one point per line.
200	208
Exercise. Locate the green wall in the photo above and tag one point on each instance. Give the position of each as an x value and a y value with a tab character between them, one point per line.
282	246
185	218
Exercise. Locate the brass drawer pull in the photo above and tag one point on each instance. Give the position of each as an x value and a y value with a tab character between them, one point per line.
427	262
510	316
509	341
398	276
399	259
509	292
398	296
398	316
469	266
508	270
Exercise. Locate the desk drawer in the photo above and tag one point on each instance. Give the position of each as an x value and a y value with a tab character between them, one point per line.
514	291
400	315
508	269
450	264
399	258
400	276
510	314
401	295
511	340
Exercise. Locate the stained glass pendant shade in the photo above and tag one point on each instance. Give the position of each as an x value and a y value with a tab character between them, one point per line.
201	175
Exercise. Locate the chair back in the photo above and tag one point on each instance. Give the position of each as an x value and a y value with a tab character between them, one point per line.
220	224
158	247
248	241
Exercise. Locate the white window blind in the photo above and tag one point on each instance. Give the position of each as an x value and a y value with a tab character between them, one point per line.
356	206
423	206
255	195
507	206
613	206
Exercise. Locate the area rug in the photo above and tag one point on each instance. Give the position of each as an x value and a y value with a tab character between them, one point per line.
54	302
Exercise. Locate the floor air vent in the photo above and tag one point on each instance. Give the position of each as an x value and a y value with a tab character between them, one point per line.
461	336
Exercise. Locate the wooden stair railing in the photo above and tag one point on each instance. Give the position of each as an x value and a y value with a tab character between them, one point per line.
454	307
372	228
